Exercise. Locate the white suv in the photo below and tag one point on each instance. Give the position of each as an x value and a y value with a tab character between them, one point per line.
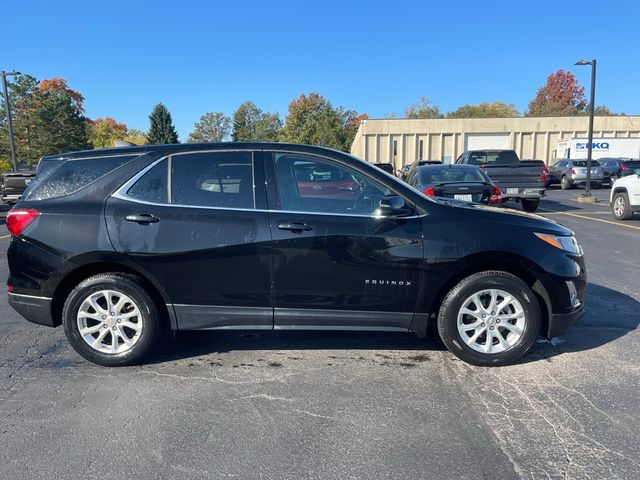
625	196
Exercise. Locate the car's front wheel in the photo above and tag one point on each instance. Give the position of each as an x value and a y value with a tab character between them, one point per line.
490	318
620	206
564	183
110	319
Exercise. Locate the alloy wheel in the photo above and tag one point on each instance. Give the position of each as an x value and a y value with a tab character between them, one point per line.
619	206
109	321
491	321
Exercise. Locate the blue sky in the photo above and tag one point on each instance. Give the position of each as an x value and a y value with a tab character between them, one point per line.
374	57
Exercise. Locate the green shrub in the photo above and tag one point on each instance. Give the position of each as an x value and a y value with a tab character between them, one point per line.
5	165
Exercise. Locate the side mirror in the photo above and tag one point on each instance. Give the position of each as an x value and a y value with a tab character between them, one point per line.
393	206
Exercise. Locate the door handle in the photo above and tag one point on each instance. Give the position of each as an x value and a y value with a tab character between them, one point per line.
142	218
295	227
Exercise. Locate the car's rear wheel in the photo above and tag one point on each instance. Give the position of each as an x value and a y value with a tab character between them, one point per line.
564	183
620	206
489	319
530	205
111	320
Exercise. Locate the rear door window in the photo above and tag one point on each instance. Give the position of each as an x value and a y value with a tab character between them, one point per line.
72	175
213	179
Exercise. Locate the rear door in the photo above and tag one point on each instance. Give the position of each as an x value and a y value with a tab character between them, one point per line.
335	265
195	223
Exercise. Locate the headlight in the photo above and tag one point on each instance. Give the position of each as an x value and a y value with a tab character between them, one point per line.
569	244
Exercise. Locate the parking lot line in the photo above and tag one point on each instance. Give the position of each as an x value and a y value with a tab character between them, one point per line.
4	236
554	212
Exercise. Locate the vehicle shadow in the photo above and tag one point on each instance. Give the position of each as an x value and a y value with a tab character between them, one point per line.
609	315
602	325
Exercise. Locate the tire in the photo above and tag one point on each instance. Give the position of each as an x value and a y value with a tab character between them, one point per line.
564	183
140	321
530	205
475	351
620	206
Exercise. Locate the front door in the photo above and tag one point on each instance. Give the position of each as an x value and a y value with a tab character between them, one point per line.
195	224
335	265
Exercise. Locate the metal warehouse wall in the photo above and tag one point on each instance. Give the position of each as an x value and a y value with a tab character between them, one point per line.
401	141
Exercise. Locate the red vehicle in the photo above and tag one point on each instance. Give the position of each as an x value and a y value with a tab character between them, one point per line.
323	181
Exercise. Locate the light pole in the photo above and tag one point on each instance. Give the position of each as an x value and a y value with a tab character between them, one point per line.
587	192
9	124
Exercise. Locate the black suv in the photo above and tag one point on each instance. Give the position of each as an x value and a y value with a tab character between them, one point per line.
118	244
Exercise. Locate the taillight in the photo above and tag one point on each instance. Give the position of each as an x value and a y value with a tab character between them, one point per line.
18	219
429	191
496	195
544	176
623	167
573	171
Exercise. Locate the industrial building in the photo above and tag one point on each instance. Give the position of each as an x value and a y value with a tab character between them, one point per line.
401	141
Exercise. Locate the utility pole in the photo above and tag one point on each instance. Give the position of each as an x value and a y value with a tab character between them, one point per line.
12	144
587	197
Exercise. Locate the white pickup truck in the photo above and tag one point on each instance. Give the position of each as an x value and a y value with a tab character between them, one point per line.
625	196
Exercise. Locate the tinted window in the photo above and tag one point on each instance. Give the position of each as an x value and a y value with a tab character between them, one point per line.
583	163
213	179
487	158
434	174
152	186
311	184
73	175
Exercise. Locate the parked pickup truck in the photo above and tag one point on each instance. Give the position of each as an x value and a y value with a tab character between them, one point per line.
12	184
523	181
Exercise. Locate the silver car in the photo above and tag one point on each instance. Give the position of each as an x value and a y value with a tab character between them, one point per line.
569	173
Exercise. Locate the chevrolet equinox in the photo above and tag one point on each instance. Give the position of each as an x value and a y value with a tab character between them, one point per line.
118	244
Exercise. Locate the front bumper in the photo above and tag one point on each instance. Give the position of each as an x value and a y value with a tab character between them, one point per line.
560	322
34	309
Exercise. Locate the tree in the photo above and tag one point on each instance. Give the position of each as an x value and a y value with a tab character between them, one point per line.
135	136
20	92
485	110
250	123
212	127
424	108
59	124
559	96
313	120
104	132
161	130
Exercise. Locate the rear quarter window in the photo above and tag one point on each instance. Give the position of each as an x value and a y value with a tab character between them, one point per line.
73	175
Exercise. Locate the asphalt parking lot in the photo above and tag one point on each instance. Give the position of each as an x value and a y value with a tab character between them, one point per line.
340	405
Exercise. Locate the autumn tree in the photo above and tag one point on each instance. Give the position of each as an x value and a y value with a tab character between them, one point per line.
250	123
104	132
136	137
59	124
559	96
485	110
423	108
212	127
161	130
312	120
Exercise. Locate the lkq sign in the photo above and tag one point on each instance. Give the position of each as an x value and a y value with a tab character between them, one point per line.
594	146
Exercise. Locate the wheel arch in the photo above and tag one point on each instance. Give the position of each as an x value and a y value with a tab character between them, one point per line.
108	265
515	264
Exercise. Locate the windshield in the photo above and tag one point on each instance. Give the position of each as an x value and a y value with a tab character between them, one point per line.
450	174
